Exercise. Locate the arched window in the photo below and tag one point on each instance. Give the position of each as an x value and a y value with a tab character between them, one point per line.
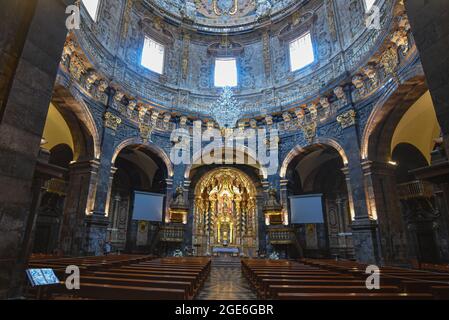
92	7
301	52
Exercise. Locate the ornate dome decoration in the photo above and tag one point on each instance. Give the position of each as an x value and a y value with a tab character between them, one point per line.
225	15
346	65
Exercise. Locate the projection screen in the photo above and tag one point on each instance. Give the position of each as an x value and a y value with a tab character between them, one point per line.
148	206
307	209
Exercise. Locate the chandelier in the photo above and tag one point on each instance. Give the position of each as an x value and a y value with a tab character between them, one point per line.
226	110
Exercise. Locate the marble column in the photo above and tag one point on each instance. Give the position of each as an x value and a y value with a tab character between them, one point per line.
30	50
384	203
78	203
364	226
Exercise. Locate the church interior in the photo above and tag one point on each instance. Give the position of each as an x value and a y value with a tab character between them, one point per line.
224	150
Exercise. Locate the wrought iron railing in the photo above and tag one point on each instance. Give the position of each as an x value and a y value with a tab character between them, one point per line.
415	190
281	235
172	234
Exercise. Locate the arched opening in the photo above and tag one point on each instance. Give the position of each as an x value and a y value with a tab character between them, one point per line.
226	213
138	169
406	138
64	140
317	170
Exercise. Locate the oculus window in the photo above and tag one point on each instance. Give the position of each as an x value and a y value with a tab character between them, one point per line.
225	72
92	7
153	55
369	4
301	52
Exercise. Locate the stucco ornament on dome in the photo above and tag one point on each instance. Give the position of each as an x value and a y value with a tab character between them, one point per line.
189	10
263	8
226	110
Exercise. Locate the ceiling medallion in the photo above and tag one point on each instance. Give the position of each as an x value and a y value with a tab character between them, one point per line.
225	7
226	110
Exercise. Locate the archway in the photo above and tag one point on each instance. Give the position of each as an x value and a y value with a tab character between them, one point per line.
225	213
138	169
68	137
403	133
318	170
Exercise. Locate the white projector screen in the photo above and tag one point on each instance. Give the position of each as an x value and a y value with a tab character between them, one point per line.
148	206
307	209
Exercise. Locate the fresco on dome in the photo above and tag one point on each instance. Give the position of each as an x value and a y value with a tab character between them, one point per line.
218	8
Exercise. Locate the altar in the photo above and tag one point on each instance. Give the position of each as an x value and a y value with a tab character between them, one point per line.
225	251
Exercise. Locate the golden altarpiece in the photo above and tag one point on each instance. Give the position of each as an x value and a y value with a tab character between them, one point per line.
225	213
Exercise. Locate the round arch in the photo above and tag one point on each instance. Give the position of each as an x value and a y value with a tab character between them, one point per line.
296	151
387	113
78	116
151	147
252	156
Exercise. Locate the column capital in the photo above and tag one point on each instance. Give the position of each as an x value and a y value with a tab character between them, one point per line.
84	167
377	167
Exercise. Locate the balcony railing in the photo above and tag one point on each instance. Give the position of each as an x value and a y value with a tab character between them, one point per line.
172	234
281	235
415	190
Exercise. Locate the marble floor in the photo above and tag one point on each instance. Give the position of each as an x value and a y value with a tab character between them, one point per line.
226	282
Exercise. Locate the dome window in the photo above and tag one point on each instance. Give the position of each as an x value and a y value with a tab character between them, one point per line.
153	55
369	4
225	72
301	52
92	8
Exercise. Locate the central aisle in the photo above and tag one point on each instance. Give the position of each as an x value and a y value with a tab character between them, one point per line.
226	281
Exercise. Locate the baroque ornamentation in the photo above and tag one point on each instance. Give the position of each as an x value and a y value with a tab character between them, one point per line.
347	119
390	60
145	132
310	131
111	121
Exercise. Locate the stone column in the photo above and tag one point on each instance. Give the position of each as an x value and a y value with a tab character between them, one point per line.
284	200
78	203
364	227
188	231
430	27
30	50
97	221
168	199
384	202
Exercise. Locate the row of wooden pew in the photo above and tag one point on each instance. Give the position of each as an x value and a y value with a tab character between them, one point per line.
330	280
137	278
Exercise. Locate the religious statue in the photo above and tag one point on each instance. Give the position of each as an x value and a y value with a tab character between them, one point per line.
263	8
179	197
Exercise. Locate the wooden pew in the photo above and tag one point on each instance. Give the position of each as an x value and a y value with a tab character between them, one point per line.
353	296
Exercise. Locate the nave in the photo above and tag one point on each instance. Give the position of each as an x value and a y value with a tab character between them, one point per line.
124	277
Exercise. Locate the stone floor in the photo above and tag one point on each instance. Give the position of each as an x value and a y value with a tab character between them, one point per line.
226	282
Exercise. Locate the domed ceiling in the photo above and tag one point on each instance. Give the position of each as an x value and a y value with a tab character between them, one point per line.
225	15
257	35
